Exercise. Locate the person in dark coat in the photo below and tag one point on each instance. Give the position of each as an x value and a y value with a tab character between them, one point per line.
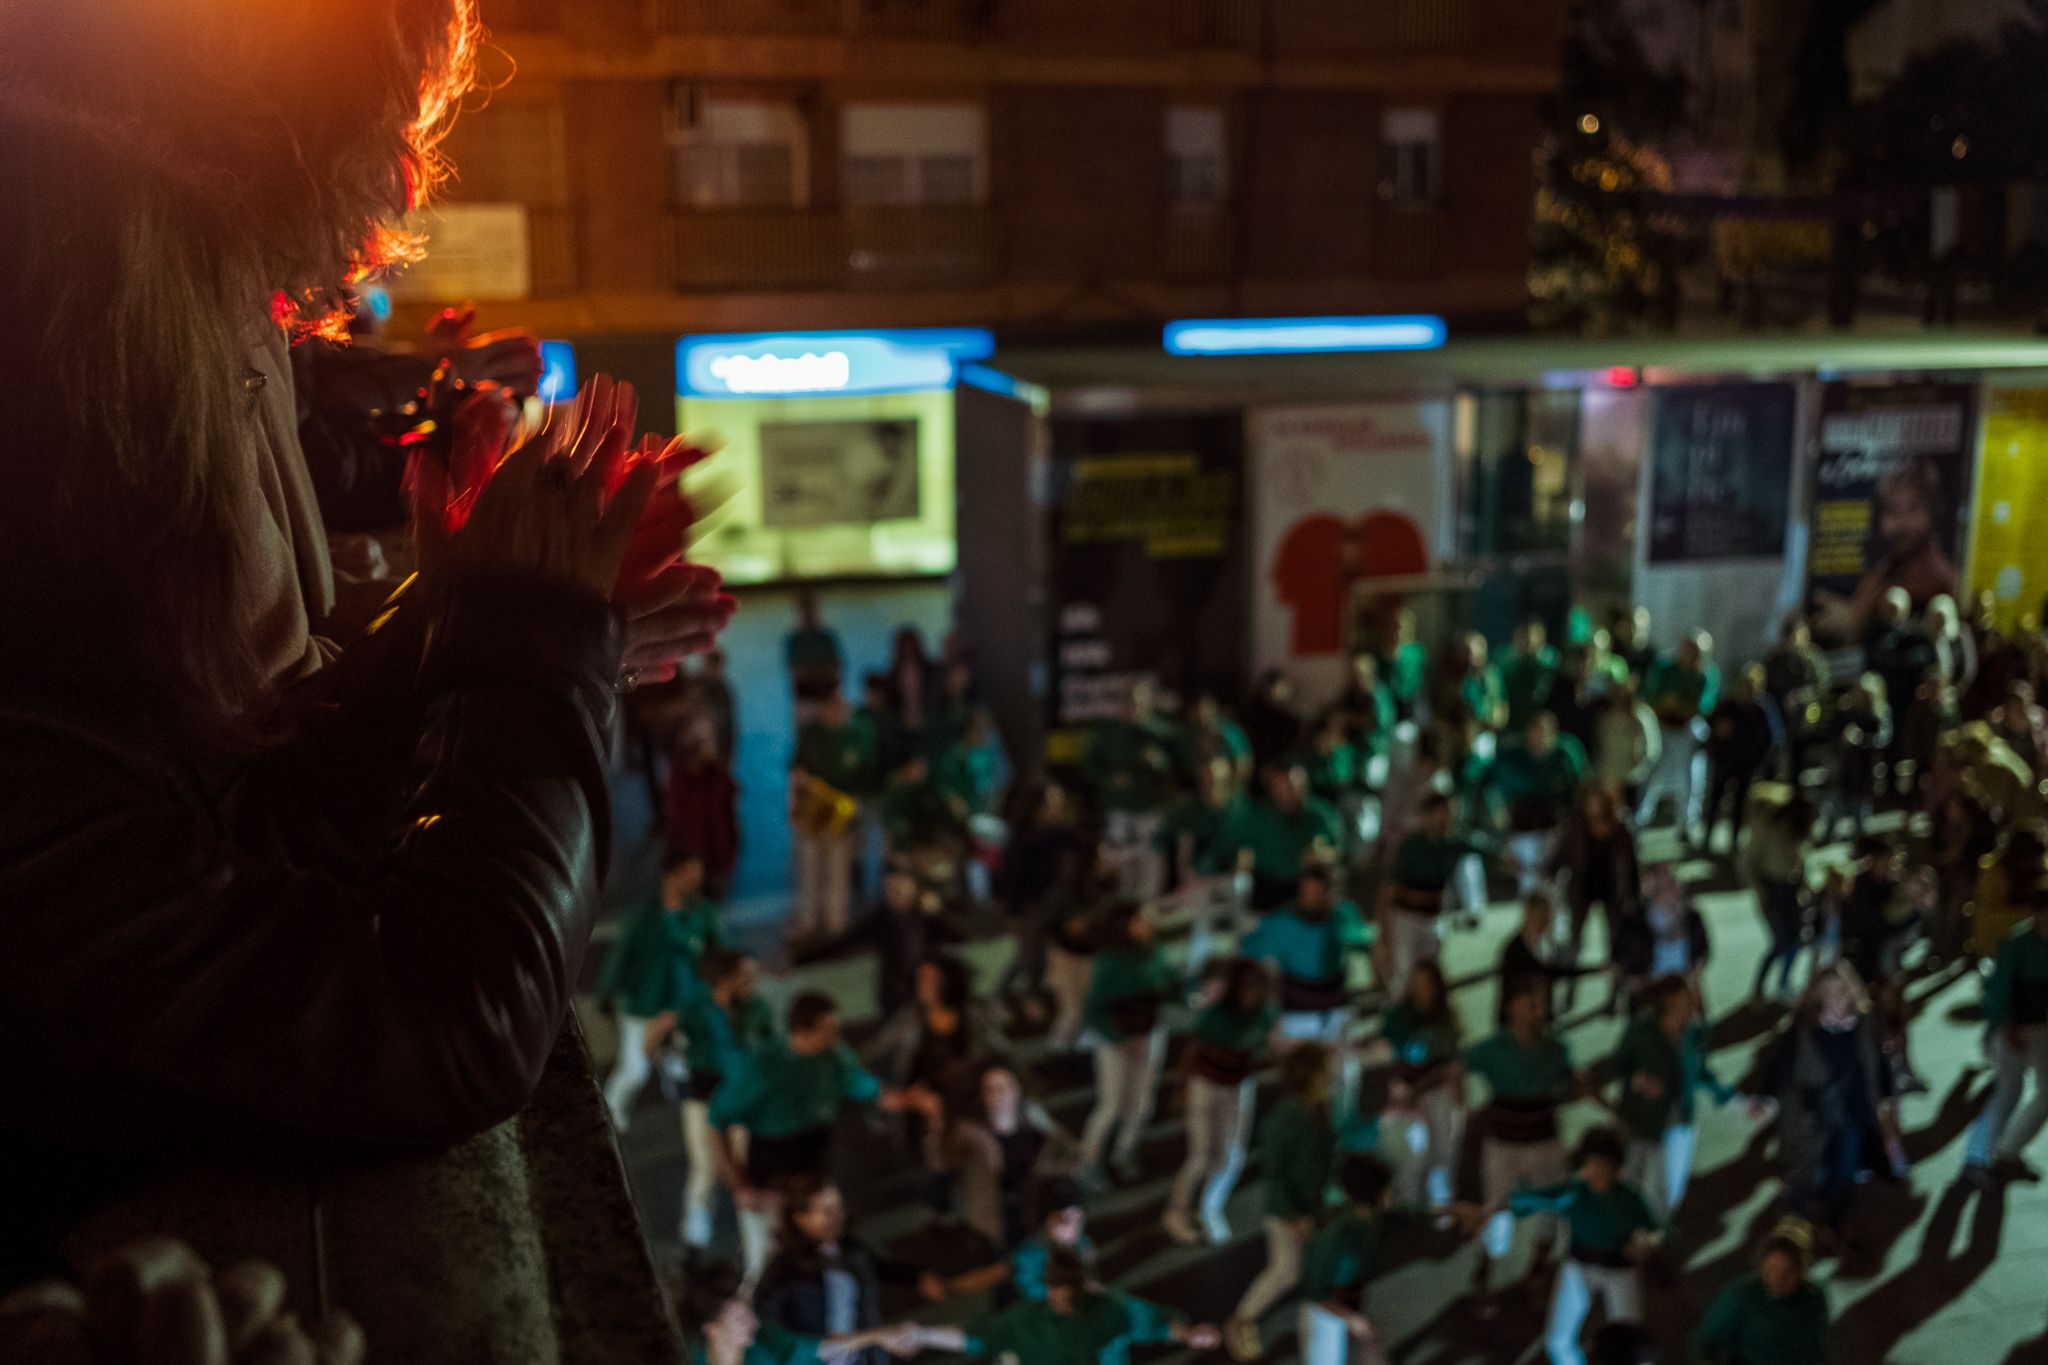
904	930
703	809
1667	936
1742	734
1597	860
823	1281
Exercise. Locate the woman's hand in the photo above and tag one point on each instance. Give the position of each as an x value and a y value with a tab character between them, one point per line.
155	1303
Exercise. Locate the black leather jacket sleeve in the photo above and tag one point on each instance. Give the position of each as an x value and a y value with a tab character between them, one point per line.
185	966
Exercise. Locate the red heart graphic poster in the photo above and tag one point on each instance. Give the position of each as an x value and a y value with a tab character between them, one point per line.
1338	495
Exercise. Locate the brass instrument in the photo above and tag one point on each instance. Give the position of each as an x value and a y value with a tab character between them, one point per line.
819	809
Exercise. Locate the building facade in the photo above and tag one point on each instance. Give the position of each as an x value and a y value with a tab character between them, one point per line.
1052	168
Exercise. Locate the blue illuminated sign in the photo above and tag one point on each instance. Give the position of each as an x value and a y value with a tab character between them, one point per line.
557	372
1297	336
813	364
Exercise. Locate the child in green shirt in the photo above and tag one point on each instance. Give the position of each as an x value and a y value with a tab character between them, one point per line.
1776	1316
1660	1065
1076	1323
1339	1261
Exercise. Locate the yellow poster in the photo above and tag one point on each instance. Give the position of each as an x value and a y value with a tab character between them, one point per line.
2009	537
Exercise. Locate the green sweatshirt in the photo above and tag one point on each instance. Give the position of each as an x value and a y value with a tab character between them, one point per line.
1541	1072
652	965
1298	1151
1600	1224
1225	1026
1132	762
1525	681
1671	689
1747	1325
778	1093
841	756
1552	779
1207	828
772	1346
1426	864
718	1040
1417	1041
1122	976
1339	1258
1100	1329
2019	979
1280	840
1680	1069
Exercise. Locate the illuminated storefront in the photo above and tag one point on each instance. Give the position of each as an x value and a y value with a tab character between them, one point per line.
838	450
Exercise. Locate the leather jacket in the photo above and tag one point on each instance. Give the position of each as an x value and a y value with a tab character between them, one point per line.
366	935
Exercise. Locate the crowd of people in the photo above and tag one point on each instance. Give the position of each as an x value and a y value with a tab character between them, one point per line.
1213	895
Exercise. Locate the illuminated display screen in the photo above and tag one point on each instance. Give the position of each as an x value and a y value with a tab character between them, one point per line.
1299	336
776	365
558	372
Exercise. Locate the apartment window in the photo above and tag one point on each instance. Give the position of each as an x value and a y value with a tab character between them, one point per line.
1409	144
1197	163
512	152
737	153
913	154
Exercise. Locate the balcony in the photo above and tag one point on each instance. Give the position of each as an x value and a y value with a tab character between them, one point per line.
743	250
772	17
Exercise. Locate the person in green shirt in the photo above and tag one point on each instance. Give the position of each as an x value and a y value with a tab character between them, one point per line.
1299	1143
1661	1063
834	762
1472	685
1530	1074
1534	784
785	1099
1205	868
921	819
1369	714
1777	1316
652	969
1425	1118
1526	678
718	1029
2016	1035
1132	760
1285	832
1404	663
1211	735
720	1328
1681	688
1076	1323
814	658
969	769
1130	982
1412	892
1612	1230
1232	1036
1337	1264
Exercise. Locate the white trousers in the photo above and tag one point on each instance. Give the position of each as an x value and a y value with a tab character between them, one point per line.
1412	937
1066	976
1531	853
1421	1146
1214	905
757	1240
702	1182
1999	1130
1132	835
629	1072
1680	773
824	881
1505	1167
1619	1290
1284	1245
1662	1169
1219	1128
1126	1085
1326	1340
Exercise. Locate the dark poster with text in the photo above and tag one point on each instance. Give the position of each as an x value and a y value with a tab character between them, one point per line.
1720	471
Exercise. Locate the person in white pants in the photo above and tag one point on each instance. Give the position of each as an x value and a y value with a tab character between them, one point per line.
1612	1230
2016	1021
832	758
1334	1329
1231	1037
650	970
1530	1074
1424	1122
1131	980
720	1027
1681	688
1413	890
1660	1065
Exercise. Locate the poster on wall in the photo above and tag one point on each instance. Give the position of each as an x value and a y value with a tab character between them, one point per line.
1340	496
1720	456
1889	489
2009	534
838	473
1144	555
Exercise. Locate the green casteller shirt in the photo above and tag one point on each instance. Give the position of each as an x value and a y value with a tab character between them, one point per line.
1600	1224
1101	1329
1339	1259
1525	682
1028	1261
1224	1025
778	1093
773	1345
1405	671
1205	826
1542	1072
1280	840
1553	779
1227	740
2018	988
718	1041
1426	864
881	735
914	812
841	756
1680	1068
652	965
1335	772
1483	693
967	774
1747	1325
1673	690
1132	762
1121	977
1298	1150
1417	1041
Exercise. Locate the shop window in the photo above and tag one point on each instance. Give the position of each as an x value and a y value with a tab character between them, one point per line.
913	154
1411	157
737	153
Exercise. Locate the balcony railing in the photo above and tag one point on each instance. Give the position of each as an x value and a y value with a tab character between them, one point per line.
776	17
798	249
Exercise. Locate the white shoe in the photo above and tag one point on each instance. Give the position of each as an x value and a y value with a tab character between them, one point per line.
1180	1227
1217	1229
